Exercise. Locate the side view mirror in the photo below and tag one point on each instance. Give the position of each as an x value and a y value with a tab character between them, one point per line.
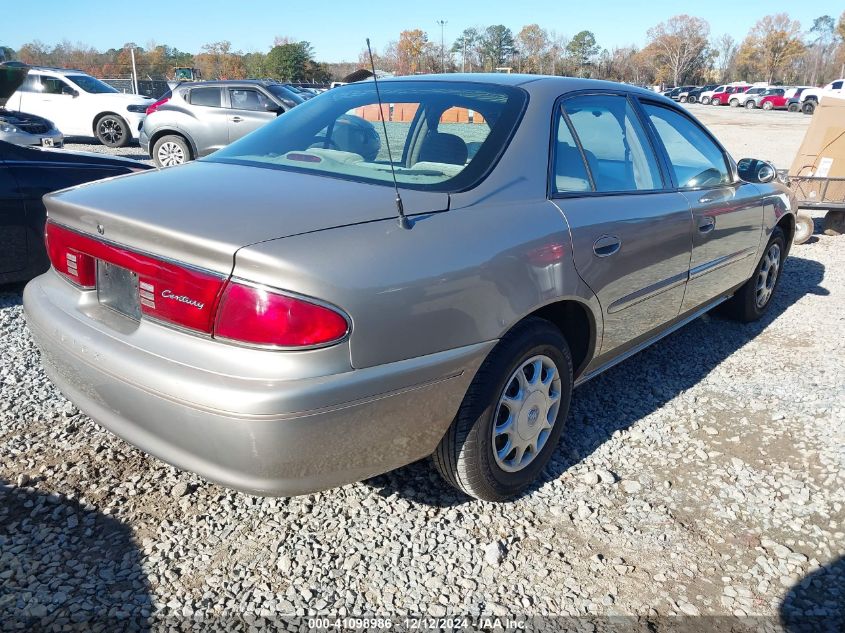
273	107
756	170
67	90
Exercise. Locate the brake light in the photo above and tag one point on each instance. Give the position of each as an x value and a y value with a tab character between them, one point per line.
167	291
66	257
259	316
155	106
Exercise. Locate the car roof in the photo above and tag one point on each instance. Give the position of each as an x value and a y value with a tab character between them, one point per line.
531	83
212	83
51	69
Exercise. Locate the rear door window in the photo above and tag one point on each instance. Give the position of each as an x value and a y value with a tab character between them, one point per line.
695	159
209	97
617	149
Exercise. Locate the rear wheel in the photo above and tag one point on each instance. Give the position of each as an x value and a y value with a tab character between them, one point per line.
171	150
753	298
512	415
691	99
794	107
683	99
750	105
705	100
112	131
734	103
809	107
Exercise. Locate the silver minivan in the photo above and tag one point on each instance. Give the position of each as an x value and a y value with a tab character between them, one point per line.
196	119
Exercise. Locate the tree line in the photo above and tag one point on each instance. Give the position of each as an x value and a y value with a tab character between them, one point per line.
677	51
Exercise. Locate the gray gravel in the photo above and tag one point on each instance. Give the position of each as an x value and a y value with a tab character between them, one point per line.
703	476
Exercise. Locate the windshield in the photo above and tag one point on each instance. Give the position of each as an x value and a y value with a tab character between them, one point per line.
89	84
286	95
444	136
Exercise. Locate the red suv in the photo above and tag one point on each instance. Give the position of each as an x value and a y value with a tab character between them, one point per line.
722	98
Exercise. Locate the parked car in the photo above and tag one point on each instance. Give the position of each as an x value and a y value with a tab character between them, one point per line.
81	105
694	95
741	99
17	127
675	95
771	99
722	98
198	118
272	316
810	97
26	174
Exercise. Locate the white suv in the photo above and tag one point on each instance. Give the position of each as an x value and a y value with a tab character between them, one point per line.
81	105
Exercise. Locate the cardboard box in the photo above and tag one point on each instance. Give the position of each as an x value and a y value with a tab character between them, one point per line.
822	153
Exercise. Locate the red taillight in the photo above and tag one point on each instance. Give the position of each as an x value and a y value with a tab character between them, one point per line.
66	257
259	316
157	105
167	291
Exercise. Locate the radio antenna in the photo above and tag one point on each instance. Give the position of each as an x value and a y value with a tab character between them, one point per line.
400	209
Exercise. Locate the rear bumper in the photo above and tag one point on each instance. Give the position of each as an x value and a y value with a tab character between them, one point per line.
355	424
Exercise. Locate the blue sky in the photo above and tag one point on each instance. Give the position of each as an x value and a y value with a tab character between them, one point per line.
337	28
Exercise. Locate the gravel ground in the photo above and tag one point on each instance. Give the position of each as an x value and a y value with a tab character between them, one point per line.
704	476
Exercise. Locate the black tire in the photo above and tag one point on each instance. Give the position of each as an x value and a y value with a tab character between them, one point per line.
705	100
112	131
683	99
750	105
744	305
171	150
691	99
794	107
734	103
465	456
809	107
768	105
834	223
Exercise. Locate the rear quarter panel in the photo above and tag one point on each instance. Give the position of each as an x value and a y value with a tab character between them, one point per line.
456	278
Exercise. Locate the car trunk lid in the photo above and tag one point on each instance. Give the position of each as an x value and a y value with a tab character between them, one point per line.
201	213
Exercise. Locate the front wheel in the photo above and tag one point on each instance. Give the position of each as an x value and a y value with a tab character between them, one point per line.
749	105
691	99
112	131
768	105
809	107
512	415
753	298
683	99
705	100
734	103
794	107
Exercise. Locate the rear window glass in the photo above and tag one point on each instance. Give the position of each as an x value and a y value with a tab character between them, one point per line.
443	136
206	97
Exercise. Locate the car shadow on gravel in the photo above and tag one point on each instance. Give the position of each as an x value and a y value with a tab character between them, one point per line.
66	566
817	603
621	396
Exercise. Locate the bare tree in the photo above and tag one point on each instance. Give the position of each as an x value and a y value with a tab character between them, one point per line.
724	50
772	45
680	44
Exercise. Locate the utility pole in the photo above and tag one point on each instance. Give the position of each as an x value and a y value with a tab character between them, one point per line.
442	24
134	71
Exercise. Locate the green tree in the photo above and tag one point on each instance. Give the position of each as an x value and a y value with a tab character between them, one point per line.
497	45
583	48
467	46
289	61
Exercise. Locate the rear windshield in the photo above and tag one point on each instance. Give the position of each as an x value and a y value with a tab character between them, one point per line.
443	136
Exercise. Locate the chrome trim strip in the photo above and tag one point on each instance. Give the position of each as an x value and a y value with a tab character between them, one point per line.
648	292
724	260
638	348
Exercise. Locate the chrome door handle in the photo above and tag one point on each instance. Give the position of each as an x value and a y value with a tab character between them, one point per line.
706	224
236	119
606	245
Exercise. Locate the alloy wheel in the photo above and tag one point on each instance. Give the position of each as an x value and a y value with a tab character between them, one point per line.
526	413
110	131
170	154
768	275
